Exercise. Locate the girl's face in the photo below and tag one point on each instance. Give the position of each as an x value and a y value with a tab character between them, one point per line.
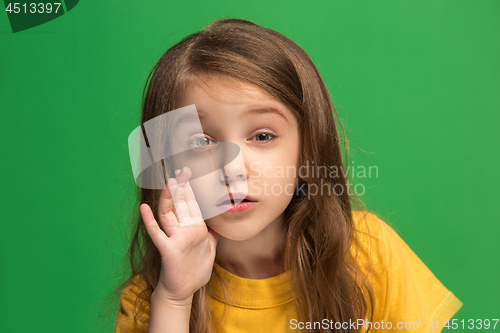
268	136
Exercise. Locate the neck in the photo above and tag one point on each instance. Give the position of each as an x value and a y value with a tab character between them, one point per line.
259	257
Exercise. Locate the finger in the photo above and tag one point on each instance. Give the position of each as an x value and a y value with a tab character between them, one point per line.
183	175
157	235
165	204
195	215
166	208
179	195
171	223
193	207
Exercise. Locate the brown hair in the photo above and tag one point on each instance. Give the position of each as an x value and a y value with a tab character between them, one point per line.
325	279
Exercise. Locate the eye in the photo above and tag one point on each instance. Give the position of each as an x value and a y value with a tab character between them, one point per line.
200	141
264	136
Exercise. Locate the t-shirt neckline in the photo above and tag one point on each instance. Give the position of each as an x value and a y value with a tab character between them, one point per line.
253	293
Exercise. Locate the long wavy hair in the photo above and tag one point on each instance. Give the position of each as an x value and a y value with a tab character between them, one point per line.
325	279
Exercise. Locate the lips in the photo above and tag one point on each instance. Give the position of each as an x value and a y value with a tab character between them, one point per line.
239	197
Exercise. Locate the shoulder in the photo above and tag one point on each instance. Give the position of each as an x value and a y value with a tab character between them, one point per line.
368	223
133	310
372	239
375	242
404	288
135	289
381	252
137	282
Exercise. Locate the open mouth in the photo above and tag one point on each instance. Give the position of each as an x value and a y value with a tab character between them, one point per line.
229	202
234	198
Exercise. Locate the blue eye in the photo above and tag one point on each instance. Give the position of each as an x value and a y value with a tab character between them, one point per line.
200	142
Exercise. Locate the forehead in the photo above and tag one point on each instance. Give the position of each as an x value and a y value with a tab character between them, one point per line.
216	91
223	89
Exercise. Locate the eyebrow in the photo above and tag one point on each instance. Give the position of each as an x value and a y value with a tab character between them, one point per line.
256	111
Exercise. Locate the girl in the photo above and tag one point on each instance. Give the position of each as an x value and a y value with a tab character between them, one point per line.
303	254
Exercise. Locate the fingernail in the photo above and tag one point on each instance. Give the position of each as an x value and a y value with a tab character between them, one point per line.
177	171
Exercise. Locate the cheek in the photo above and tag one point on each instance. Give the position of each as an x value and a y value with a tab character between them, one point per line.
278	175
276	180
283	186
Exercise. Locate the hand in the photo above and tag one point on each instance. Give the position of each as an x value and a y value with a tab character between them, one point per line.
186	244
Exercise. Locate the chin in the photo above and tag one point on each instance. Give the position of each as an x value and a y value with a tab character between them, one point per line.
236	235
234	232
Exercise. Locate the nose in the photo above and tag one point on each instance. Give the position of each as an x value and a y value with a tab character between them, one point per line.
234	171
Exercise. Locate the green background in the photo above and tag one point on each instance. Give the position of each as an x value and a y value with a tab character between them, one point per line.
416	83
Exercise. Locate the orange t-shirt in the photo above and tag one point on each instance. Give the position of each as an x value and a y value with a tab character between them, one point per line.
408	297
